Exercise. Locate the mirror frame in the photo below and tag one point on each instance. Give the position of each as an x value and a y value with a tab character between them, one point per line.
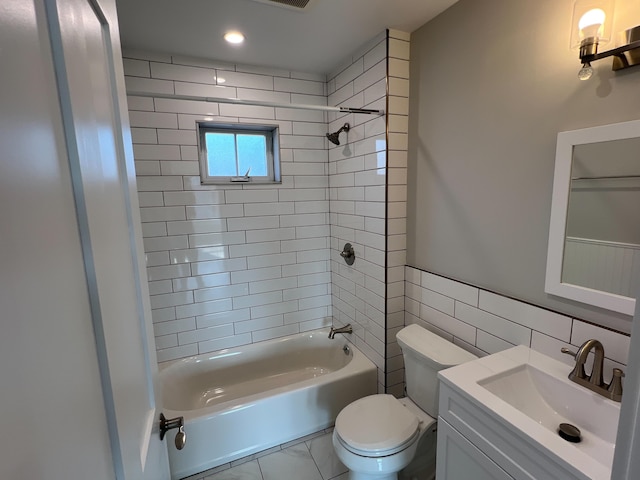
559	208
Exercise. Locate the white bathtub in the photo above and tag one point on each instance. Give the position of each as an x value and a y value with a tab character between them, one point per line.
243	400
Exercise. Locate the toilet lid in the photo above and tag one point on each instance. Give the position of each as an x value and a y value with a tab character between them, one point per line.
376	425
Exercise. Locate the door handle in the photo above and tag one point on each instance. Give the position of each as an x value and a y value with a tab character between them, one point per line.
169	424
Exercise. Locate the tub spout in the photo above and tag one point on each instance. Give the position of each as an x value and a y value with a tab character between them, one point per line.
346	329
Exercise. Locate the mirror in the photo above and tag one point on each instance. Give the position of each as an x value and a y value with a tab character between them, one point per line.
594	234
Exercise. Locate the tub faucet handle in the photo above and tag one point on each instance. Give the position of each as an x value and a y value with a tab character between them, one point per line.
348	253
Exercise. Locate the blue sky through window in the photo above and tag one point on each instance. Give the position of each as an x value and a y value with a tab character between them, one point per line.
232	154
252	154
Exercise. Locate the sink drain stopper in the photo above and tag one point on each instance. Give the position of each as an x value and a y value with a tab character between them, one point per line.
569	432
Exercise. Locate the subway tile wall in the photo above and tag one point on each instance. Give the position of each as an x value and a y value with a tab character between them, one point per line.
357	193
483	322
234	264
398	130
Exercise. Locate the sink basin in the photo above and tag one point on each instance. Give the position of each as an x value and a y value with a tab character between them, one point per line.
550	401
530	392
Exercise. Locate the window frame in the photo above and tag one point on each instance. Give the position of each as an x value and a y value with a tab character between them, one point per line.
272	137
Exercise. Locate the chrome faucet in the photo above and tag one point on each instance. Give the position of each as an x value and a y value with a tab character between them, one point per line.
346	329
594	382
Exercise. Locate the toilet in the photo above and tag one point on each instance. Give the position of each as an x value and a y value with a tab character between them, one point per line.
384	438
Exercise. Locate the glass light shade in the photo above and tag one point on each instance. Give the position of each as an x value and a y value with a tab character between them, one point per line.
591	23
591	18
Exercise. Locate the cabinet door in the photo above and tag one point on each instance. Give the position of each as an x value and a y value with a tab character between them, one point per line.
457	458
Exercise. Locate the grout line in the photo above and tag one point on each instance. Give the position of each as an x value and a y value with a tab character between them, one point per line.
314	460
260	468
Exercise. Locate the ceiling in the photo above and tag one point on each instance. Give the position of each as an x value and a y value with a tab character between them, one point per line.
314	40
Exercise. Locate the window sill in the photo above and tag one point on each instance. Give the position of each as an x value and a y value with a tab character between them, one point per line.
254	182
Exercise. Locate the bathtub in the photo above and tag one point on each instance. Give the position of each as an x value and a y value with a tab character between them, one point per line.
240	401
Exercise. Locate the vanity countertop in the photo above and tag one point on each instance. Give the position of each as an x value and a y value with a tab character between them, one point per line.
530	393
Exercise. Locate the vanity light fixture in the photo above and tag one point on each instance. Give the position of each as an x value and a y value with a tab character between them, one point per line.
591	26
234	38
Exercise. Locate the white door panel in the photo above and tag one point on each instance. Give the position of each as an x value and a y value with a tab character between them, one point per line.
81	42
50	395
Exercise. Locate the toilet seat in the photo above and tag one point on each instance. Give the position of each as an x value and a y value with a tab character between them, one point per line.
378	454
376	426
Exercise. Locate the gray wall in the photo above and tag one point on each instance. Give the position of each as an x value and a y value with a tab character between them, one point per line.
492	83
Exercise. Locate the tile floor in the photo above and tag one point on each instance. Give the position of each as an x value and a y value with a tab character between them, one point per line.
308	458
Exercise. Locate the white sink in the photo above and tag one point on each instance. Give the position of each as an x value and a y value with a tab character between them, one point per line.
530	392
550	401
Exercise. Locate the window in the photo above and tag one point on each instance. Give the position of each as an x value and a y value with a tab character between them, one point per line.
238	153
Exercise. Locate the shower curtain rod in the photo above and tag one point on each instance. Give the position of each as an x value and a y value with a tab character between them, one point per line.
606	177
239	101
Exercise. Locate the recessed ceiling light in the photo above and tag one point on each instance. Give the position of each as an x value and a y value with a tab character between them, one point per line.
234	37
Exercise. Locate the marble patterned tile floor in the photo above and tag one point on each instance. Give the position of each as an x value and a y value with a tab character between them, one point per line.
308	458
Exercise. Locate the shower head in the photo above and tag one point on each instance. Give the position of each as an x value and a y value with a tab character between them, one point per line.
335	137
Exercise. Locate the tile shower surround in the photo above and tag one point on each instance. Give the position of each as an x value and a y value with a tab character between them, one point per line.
230	265
357	178
483	322
398	128
367	190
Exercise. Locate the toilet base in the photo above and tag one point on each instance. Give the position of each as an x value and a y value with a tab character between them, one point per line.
423	464
369	476
373	468
421	467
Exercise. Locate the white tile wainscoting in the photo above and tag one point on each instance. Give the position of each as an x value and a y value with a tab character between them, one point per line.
483	322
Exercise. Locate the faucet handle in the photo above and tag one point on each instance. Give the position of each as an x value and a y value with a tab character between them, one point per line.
615	387
578	369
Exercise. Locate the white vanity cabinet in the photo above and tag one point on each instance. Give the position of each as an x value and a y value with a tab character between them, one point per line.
474	443
458	458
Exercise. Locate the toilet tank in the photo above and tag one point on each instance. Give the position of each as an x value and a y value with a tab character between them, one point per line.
425	354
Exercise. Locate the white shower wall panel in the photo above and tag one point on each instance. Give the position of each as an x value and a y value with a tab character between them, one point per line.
229	265
357	179
396	222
